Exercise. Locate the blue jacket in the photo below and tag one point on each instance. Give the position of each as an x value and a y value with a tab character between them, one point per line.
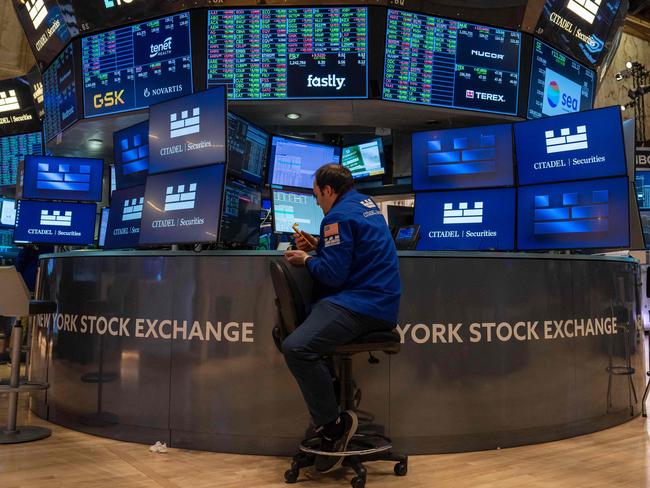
356	264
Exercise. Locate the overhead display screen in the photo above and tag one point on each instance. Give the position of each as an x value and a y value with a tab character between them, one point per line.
137	66
123	229
131	155
55	223
103	224
183	206
18	113
574	215
462	158
448	63
188	132
7	212
13	150
247	149
240	223
558	84
294	161
365	159
60	94
470	220
642	185
570	147
579	27
63	178
289	52
296	208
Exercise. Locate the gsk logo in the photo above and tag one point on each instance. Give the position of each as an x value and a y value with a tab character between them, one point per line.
115	3
108	99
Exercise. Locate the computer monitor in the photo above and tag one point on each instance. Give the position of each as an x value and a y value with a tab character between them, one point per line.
131	152
55	223
406	238
54	178
248	146
240	221
642	185
293	162
364	160
124	221
291	207
103	223
7	212
399	216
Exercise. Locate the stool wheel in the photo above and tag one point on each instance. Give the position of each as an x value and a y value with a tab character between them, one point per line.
401	469
358	482
290	476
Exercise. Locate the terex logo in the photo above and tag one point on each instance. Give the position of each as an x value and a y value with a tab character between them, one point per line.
329	81
486	54
109	99
493	97
161	49
113	3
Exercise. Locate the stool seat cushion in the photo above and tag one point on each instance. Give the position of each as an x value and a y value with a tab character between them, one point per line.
387	341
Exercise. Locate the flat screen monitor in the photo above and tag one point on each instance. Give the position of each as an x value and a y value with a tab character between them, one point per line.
7	247
55	223
558	84
18	112
645	225
293	162
13	150
240	221
642	186
290	207
188	132
451	63
248	146
123	229
281	53
399	216
467	220
131	155
137	66
574	215
365	159
60	94
183	206
7	212
103	224
53	178
462	158
571	147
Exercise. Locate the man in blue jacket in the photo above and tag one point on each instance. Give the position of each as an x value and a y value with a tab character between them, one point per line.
357	284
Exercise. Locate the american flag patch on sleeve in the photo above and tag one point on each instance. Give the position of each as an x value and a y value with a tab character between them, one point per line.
331	229
331	235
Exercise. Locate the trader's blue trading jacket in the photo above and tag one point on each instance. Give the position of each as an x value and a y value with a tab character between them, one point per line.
356	264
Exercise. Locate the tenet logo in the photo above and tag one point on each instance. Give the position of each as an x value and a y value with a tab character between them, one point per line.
329	81
37	12
162	49
116	3
486	54
109	99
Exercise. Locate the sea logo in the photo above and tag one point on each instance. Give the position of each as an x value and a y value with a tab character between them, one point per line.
565	141
585	9
181	199
553	93
561	94
185	125
132	209
464	214
56	218
63	177
8	101
37	12
570	215
135	154
162	49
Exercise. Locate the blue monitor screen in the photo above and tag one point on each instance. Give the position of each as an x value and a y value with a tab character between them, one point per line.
240	223
7	212
451	63
558	84
642	185
103	225
131	151
55	223
469	220
247	149
574	215
123	230
294	162
571	147
365	159
462	158
136	66
13	149
183	206
60	94
296	208
63	178
405	233
188	132
315	52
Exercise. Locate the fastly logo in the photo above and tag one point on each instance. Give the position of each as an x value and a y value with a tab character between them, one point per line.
37	11
56	218
585	9
329	81
186	124
486	54
464	214
566	141
162	49
181	199
114	3
132	209
109	99
8	101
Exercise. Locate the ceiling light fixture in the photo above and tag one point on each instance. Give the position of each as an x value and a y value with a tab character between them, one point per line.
293	116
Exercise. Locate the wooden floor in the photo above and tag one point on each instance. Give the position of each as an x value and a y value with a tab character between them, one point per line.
618	457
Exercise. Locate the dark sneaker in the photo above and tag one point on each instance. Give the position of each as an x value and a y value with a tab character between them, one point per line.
325	464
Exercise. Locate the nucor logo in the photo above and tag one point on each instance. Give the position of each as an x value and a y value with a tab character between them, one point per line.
486	54
163	48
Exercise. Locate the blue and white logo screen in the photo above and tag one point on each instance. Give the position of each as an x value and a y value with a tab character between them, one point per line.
462	158
123	229
183	206
471	220
574	215
63	178
55	223
131	149
571	147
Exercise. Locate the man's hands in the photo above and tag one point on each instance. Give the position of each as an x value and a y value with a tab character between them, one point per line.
305	241
297	258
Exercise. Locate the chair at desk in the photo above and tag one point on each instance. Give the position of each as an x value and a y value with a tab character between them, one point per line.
365	446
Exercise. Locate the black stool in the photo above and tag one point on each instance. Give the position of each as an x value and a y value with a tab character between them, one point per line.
15	302
365	445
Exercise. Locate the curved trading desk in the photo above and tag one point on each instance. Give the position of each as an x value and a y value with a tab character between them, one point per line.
499	350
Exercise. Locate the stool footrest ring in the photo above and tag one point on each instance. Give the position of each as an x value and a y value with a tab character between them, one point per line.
380	444
23	386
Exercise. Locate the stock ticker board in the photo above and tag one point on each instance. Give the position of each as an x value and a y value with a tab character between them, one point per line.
137	66
13	149
60	94
289	52
449	63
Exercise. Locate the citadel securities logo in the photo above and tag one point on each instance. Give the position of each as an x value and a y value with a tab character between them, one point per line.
329	81
132	209
463	215
9	101
109	99
186	124
56	218
181	199
37	12
486	54
162	49
585	9
565	141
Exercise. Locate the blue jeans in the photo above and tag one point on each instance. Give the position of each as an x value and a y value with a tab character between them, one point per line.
327	326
